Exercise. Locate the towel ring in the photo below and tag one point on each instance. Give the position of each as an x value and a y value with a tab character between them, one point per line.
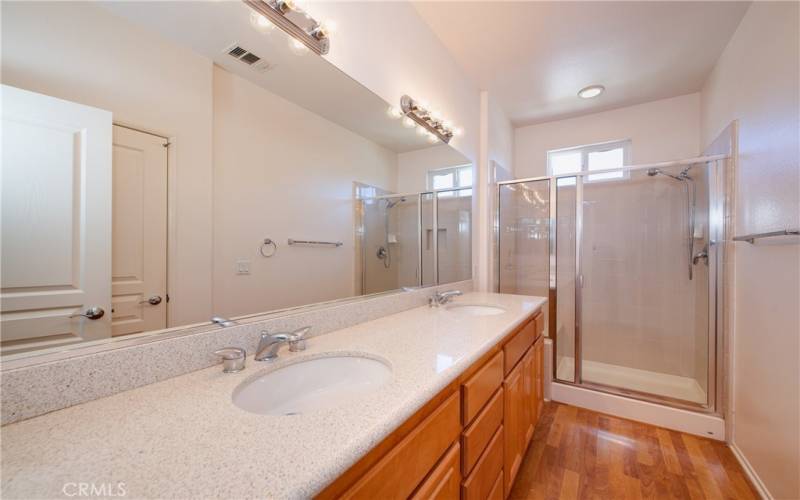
267	243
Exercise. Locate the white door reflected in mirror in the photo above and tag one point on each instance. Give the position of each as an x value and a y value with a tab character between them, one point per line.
56	221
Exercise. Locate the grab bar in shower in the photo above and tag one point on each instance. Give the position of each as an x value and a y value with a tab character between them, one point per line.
312	242
751	238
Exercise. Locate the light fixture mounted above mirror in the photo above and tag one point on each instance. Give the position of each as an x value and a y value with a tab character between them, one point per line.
430	121
297	23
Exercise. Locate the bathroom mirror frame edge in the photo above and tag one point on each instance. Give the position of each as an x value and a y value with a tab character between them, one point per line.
33	358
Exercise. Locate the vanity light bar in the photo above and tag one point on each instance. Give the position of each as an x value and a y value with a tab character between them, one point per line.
281	12
425	118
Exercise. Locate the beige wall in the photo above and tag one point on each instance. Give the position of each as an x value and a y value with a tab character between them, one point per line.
667	129
496	164
147	83
289	176
756	82
413	166
391	50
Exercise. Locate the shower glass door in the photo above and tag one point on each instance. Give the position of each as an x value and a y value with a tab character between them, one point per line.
643	278
523	239
629	259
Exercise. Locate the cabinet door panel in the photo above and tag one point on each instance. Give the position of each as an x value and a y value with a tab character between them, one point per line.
444	482
403	468
513	391
529	397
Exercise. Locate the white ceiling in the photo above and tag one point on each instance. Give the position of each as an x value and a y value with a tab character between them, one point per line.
533	57
209	28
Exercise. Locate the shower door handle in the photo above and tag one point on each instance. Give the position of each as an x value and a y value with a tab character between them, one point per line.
703	254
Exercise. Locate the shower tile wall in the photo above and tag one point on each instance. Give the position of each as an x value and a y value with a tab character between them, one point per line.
377	278
405	220
455	242
565	279
638	303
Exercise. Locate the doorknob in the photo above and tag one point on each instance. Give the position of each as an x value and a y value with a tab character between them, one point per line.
153	301
94	312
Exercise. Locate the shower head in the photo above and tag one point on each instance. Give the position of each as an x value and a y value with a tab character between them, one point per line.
391	204
652	172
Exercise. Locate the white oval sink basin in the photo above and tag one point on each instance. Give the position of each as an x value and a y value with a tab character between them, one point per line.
475	309
315	384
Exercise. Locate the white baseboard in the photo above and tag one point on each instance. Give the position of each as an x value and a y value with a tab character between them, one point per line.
759	485
663	416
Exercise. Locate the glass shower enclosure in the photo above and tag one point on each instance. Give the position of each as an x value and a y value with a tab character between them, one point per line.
629	258
411	240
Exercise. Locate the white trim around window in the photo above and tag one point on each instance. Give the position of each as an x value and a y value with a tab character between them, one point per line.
601	156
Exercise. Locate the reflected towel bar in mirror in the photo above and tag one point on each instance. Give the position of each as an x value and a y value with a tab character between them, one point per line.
751	238
312	242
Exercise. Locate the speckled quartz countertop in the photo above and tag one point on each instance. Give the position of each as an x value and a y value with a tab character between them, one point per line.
184	438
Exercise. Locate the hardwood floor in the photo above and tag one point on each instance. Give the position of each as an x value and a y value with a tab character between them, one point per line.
579	453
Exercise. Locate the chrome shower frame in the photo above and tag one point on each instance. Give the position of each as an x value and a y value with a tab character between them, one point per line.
718	215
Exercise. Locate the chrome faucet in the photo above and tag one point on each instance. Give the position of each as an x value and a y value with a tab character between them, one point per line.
441	298
270	342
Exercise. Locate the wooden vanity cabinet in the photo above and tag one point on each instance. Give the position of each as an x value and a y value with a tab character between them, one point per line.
469	440
521	409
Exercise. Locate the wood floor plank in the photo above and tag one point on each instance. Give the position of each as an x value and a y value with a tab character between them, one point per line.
569	486
578	453
668	451
710	487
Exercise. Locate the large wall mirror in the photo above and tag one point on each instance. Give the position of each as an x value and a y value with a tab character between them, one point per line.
168	162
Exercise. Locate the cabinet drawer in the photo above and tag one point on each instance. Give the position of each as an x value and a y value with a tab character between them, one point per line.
480	432
483	478
497	489
480	387
398	473
444	483
519	343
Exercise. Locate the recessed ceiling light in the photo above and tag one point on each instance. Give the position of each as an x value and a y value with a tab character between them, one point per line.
591	91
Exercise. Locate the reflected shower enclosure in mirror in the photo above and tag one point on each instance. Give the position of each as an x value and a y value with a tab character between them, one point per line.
168	162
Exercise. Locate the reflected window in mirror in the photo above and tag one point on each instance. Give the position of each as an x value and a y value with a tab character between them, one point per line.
451	177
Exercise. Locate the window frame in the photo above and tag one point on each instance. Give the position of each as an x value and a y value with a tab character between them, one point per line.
586	150
456	179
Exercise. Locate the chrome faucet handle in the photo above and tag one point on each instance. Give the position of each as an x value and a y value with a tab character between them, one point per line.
232	359
297	340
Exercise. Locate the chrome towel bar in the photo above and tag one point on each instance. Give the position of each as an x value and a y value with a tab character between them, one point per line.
751	238
312	242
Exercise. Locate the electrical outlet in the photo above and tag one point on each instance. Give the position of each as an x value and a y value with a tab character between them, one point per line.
242	266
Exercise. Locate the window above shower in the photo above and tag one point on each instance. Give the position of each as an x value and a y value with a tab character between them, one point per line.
451	177
604	156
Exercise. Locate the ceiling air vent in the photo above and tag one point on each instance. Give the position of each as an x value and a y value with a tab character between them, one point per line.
247	57
250	58
237	51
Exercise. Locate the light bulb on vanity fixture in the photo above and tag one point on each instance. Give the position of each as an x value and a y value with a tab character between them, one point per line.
408	122
431	123
261	23
394	112
286	5
297	47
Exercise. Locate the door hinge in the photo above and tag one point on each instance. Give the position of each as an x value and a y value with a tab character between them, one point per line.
167	295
